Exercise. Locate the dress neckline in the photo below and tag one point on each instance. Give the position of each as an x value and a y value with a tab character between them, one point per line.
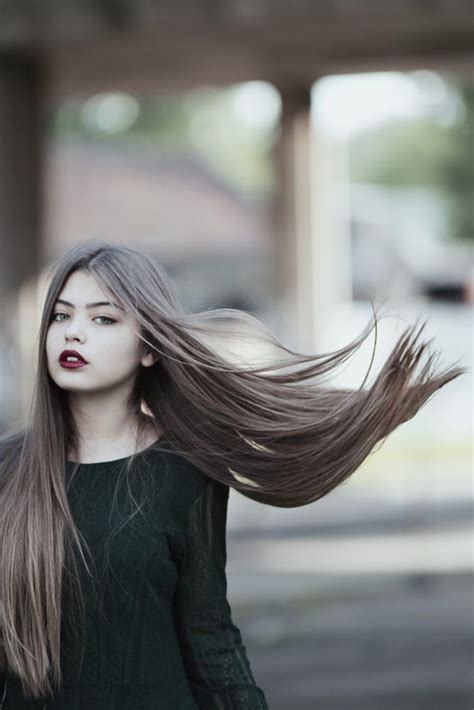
116	461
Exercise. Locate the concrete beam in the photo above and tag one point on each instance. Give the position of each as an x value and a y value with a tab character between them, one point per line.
292	223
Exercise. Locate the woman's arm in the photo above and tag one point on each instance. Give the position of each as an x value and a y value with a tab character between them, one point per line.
211	645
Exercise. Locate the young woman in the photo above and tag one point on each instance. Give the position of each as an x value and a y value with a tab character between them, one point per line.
113	495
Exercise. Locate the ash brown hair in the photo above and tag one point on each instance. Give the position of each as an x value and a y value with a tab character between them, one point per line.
281	438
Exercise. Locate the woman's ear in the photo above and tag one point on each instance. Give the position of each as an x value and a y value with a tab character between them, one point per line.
149	359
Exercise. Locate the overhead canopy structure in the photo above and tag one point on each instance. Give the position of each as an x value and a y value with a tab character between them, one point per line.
144	44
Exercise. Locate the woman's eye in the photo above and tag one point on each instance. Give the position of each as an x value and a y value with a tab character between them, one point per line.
110	320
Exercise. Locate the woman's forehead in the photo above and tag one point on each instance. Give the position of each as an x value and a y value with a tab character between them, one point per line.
83	290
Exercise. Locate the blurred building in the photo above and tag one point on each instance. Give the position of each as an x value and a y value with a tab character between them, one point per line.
174	208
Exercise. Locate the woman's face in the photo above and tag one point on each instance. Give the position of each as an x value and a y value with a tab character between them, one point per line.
101	334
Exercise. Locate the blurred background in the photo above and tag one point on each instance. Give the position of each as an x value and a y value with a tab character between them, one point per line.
292	160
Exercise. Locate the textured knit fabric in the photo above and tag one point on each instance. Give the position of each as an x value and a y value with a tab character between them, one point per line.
159	630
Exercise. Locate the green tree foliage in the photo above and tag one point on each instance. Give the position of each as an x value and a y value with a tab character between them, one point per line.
457	171
424	152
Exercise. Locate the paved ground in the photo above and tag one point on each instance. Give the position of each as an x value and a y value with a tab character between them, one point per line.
404	646
360	618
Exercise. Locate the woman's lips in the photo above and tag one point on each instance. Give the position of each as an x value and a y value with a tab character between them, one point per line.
72	365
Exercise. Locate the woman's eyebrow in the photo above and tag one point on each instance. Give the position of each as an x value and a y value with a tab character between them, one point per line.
90	305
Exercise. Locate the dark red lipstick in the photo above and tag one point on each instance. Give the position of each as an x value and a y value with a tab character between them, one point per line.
72	364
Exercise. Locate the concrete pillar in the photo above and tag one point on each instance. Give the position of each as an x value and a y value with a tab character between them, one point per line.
292	225
312	226
21	143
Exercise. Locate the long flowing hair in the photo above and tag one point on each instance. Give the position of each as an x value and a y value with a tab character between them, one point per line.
276	432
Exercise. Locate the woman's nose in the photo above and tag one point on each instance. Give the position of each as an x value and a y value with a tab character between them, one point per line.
74	335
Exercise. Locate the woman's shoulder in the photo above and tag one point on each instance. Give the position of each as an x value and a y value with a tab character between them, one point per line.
11	444
188	480
10	441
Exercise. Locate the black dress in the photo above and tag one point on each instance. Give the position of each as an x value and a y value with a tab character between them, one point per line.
159	631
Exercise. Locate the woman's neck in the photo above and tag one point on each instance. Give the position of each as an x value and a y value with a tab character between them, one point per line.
108	449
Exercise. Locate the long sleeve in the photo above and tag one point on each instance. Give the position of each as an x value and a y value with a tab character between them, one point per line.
214	656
